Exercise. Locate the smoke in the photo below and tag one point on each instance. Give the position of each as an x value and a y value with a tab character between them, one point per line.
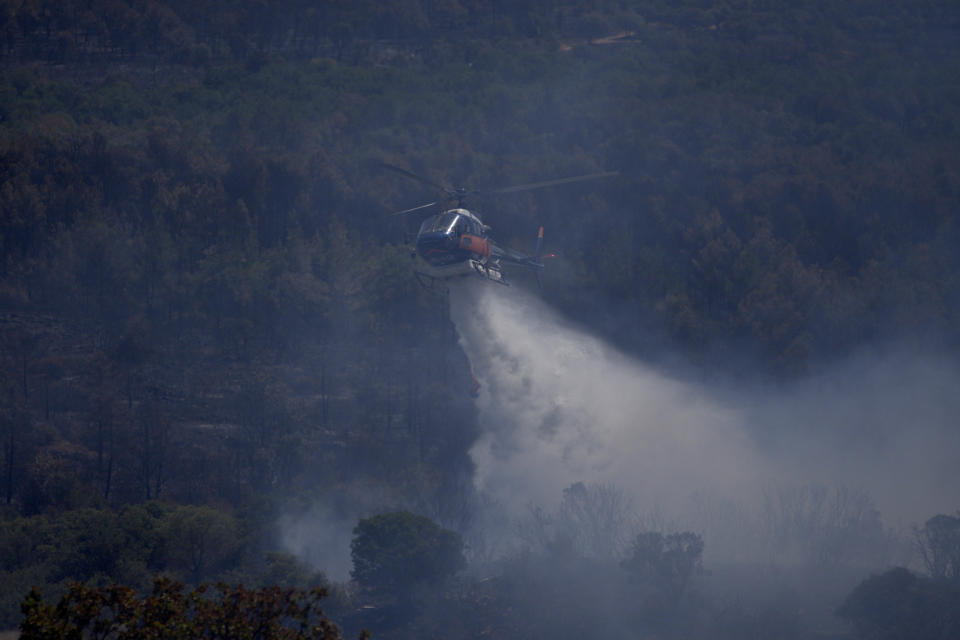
319	532
761	472
320	537
558	407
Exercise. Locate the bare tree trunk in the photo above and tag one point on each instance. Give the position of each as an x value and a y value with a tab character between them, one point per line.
10	456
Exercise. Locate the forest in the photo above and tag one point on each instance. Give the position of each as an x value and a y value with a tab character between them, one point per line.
209	326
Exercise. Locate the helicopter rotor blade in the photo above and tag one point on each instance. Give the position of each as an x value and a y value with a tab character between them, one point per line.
423	206
550	183
413	176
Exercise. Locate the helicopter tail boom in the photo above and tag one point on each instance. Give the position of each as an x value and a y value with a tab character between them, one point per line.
534	261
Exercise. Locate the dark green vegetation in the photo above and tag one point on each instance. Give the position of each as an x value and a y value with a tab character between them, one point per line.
203	301
400	551
227	613
900	604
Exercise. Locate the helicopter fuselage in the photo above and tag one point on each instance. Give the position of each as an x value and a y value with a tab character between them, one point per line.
454	243
453	236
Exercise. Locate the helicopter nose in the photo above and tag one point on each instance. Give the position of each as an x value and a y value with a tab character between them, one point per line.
432	246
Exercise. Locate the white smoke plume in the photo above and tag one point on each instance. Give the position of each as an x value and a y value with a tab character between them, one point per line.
320	538
558	406
736	464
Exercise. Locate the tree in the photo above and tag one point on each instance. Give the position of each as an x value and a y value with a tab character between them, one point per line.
939	545
153	444
201	541
592	521
228	612
900	604
396	550
827	526
665	564
597	518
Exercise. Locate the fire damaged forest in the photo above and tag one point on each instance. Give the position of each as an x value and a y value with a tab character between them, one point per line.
729	412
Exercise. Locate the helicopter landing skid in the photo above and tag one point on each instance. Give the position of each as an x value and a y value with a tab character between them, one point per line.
489	270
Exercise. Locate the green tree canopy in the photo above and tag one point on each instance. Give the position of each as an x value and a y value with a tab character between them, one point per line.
402	548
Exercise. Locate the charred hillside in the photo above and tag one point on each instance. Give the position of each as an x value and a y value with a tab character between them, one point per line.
207	314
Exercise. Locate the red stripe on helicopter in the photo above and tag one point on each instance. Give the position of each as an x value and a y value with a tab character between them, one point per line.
475	244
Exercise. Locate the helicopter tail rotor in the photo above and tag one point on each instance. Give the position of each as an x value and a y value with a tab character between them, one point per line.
537	260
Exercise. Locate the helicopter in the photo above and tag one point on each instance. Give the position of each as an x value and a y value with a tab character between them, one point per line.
455	242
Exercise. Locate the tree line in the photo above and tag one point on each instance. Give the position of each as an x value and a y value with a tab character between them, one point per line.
408	580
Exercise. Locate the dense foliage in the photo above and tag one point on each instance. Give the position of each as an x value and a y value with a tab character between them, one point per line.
901	604
228	613
204	301
132	544
400	551
789	176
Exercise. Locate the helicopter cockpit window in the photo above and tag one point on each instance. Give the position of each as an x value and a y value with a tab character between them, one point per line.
455	224
446	223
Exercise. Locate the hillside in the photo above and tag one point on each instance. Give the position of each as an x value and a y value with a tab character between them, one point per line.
204	300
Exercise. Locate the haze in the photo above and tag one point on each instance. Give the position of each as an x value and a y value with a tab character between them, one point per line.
558	406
